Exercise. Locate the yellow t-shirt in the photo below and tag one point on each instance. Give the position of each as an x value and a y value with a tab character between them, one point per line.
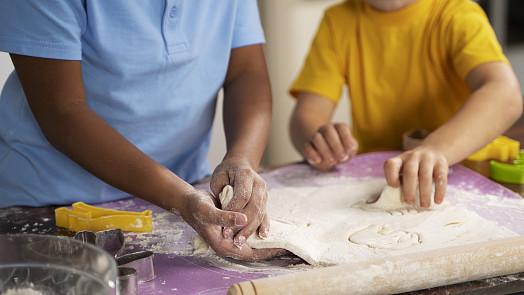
404	69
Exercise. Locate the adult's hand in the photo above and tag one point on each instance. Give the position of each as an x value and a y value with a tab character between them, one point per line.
249	197
201	212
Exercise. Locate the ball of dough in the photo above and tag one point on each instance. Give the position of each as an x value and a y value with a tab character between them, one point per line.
225	196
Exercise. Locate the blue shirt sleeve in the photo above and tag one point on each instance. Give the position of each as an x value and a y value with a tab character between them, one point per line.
248	30
49	29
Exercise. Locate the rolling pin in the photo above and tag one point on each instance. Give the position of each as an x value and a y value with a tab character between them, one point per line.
402	273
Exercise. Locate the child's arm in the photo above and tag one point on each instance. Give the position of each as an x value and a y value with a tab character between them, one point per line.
247	118
55	92
494	105
323	144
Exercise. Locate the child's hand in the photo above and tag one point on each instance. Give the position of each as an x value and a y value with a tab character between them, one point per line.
333	143
418	166
201	212
249	197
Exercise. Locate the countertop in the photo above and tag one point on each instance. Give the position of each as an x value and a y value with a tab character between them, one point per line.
178	272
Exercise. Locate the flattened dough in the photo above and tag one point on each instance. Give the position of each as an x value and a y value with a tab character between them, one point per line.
327	226
391	200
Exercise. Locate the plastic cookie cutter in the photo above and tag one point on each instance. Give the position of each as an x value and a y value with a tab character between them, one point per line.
84	217
509	173
502	149
133	268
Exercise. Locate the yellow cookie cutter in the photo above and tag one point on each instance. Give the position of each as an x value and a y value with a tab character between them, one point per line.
502	149
86	217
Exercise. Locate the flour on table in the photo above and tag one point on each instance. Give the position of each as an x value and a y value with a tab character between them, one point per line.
329	225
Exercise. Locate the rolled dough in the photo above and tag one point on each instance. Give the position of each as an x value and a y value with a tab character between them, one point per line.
330	225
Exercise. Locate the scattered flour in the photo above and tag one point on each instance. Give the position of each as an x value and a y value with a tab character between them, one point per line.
326	226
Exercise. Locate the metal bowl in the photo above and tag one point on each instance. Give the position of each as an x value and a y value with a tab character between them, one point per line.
46	264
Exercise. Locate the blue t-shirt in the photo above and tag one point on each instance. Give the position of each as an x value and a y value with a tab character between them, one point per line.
152	70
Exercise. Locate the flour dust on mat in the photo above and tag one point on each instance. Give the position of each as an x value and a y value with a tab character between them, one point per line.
327	225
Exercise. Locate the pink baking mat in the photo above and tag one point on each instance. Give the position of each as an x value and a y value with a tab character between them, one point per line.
186	274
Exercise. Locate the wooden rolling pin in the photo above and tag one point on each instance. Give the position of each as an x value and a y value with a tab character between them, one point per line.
403	273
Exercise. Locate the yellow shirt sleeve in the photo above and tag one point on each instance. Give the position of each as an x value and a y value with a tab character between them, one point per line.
322	73
472	41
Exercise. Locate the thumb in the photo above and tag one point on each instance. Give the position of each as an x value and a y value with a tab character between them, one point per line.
223	218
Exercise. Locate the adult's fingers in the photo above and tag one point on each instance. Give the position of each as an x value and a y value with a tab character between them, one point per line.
208	214
255	209
219	180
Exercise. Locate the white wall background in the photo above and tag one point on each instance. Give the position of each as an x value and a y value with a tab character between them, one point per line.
290	26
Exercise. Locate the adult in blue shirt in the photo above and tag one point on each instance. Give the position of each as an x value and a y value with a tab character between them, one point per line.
116	98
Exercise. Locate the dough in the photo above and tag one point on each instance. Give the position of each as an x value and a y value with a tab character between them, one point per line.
329	225
226	196
391	200
200	245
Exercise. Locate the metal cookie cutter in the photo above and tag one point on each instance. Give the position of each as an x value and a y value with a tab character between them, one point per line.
84	217
133	268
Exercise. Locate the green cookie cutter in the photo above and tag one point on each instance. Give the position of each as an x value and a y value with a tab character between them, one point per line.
509	173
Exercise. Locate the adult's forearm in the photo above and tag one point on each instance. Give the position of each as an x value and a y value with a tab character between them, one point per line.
247	116
85	138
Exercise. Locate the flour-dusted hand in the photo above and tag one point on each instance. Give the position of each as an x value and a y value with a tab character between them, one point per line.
201	213
249	197
419	166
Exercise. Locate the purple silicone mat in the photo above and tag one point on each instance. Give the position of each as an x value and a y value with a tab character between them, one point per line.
178	272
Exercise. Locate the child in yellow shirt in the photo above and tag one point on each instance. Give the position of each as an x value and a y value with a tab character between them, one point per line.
408	64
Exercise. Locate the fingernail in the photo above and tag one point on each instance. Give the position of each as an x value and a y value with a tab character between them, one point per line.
332	160
345	157
240	219
263	234
313	161
239	242
228	233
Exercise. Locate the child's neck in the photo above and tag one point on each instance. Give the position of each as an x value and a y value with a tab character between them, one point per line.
389	5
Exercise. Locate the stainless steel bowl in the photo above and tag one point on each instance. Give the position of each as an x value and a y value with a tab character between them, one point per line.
46	264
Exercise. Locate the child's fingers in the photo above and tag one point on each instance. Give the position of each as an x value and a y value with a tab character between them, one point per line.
321	146
392	169
441	181
334	142
348	141
425	179
311	155
410	170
